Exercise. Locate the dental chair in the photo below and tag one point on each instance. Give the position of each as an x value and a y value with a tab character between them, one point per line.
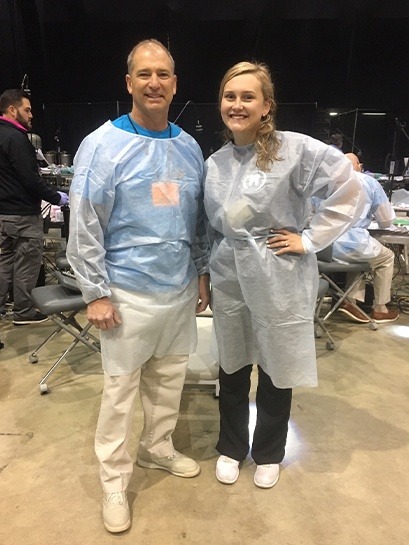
62	302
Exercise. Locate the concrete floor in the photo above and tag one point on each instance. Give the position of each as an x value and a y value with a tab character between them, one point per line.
344	479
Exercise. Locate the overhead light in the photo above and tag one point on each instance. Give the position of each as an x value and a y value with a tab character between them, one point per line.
332	114
373	113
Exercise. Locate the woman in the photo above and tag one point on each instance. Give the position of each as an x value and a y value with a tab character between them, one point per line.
263	266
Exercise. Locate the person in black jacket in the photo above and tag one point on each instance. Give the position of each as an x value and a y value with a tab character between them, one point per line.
21	191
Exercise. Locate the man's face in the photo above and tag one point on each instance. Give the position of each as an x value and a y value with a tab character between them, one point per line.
23	114
151	83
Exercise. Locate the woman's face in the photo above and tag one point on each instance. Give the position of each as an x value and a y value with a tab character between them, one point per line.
242	107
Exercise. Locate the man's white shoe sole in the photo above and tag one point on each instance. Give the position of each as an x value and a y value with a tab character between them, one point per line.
117	529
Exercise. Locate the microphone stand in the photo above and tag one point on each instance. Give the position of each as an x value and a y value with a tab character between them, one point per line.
402	127
199	126
182	110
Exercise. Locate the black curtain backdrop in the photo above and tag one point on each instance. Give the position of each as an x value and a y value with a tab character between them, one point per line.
342	55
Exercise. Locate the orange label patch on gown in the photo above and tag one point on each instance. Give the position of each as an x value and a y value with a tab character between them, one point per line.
165	193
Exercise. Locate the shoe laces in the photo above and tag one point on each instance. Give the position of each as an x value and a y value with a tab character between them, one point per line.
174	455
115	498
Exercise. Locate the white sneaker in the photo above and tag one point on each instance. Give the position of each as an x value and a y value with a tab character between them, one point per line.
115	512
266	475
176	463
227	470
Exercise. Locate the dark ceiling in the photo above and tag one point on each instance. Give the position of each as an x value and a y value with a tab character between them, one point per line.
335	53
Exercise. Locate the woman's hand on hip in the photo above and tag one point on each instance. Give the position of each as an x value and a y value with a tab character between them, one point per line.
282	241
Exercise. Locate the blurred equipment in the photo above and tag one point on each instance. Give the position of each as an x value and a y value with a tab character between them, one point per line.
65	159
35	139
50	157
40	156
399	128
24	85
406	167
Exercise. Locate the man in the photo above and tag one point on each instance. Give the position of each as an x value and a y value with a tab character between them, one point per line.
358	245
21	191
136	254
336	140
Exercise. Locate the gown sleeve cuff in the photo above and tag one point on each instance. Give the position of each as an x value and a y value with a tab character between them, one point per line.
307	244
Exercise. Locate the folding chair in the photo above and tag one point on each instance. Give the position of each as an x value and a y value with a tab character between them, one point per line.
327	267
61	261
62	302
323	288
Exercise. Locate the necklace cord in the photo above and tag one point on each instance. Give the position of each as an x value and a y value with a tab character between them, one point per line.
132	122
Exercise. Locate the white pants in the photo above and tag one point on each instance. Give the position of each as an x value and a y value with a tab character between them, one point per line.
153	324
160	381
382	268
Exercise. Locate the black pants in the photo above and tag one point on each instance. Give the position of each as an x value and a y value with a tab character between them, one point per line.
273	413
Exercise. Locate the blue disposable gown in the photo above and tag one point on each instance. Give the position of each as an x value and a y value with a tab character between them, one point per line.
263	304
356	244
135	202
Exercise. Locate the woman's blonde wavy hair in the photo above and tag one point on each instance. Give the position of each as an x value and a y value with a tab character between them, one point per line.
266	142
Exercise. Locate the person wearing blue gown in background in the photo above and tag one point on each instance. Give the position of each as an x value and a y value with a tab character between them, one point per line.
357	244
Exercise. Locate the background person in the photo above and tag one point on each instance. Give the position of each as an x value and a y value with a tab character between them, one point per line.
264	287
336	140
21	191
137	253
357	244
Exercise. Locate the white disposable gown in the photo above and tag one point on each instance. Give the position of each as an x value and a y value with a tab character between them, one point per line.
134	204
260	299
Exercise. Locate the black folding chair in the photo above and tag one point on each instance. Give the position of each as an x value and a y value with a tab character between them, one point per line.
62	302
323	288
327	268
